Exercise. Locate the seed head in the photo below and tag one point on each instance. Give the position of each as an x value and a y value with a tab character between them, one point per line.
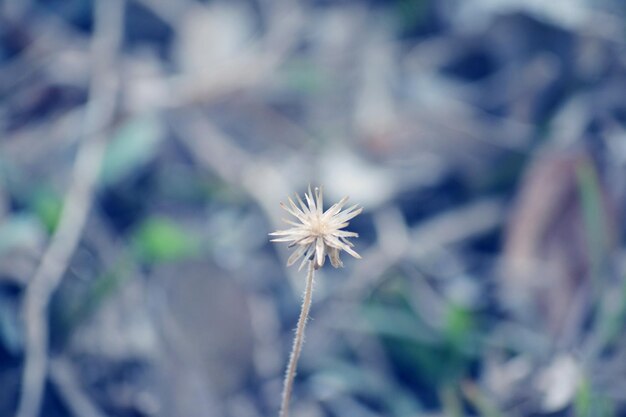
318	233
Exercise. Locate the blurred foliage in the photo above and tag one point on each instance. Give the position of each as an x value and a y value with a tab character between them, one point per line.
161	240
47	205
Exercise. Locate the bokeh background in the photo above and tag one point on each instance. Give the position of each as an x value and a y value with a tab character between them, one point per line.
145	146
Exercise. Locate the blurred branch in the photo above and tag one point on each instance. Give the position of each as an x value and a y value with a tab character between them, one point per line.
215	150
429	236
26	145
49	38
457	225
78	201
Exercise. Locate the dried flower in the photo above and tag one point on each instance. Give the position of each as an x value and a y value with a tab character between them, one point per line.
318	233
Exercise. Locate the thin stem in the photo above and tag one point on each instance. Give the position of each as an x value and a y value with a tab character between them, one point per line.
297	343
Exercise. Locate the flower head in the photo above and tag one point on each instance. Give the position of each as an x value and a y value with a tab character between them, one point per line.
318	233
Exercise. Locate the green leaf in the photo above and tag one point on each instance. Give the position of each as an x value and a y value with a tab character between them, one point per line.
47	205
459	322
591	403
161	240
302	76
134	145
593	214
410	14
582	402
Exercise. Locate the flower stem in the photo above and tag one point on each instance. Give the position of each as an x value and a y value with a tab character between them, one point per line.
297	343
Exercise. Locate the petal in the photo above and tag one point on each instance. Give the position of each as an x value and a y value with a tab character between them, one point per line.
334	242
292	222
305	209
307	256
309	199
302	212
320	200
333	255
335	208
296	255
280	233
319	252
340	225
346	241
297	231
348	214
294	211
345	233
306	240
353	253
282	239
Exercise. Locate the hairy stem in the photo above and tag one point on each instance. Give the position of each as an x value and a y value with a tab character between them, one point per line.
297	343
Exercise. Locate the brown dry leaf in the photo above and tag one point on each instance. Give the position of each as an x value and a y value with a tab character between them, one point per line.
549	253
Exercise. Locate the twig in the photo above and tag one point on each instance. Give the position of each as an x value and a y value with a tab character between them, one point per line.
217	151
297	343
28	146
77	203
429	236
212	148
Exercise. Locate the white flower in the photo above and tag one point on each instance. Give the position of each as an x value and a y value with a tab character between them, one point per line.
318	233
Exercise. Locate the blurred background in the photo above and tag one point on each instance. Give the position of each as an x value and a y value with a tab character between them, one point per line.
145	146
